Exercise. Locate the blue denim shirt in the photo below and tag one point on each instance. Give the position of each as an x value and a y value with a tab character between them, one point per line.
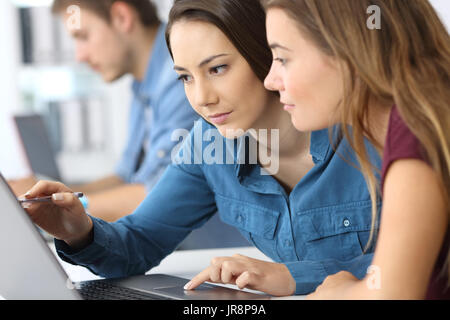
318	229
159	106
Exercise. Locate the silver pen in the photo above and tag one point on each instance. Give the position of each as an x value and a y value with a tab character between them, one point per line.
46	199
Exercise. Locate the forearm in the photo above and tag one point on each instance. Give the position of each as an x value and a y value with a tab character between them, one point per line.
344	286
113	204
100	185
114	251
308	275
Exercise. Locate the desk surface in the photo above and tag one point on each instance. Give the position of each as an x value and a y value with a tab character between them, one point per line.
193	261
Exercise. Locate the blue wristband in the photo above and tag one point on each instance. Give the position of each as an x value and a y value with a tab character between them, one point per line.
84	201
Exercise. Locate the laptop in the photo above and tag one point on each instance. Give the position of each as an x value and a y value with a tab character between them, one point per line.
37	145
29	269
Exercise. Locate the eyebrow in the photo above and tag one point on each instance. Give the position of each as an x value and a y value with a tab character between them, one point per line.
278	46
206	61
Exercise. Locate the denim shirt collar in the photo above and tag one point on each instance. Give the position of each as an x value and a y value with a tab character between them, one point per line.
142	88
320	145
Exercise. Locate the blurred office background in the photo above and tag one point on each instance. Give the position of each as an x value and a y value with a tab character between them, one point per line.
85	117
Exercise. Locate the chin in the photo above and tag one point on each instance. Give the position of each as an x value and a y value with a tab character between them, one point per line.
231	132
303	126
111	77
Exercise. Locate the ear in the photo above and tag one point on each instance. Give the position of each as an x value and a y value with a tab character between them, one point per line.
123	17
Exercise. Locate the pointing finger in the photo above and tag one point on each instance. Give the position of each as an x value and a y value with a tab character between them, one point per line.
198	279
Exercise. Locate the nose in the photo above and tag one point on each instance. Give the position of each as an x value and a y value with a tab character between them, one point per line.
204	94
273	80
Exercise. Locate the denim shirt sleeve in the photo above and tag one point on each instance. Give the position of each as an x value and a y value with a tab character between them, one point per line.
308	275
180	202
172	112
135	137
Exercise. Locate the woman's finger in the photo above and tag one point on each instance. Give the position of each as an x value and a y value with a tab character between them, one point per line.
46	188
198	279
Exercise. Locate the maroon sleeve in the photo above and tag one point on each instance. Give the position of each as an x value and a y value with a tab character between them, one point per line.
401	143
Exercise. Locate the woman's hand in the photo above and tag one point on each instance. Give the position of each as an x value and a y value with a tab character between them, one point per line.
64	217
269	277
335	287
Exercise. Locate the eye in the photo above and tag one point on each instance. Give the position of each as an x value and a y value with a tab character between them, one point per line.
185	78
219	69
280	60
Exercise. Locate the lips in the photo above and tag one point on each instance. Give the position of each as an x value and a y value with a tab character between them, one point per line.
219	118
95	67
288	106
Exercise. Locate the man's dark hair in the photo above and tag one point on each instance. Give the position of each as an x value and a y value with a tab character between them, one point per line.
145	8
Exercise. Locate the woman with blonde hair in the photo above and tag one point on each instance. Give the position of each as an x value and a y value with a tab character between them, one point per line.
381	68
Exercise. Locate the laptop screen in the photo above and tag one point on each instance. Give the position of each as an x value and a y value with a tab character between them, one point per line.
28	268
38	148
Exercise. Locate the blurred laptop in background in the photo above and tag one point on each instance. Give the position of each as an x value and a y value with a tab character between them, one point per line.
37	147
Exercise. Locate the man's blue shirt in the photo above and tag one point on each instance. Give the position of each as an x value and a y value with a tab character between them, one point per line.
158	108
321	227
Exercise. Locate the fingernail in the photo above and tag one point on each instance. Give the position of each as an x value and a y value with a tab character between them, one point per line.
58	197
28	193
26	205
188	285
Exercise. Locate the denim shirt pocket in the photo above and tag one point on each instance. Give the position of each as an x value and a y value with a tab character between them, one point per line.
339	232
258	224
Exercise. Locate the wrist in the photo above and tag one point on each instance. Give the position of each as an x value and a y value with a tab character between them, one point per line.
290	281
81	242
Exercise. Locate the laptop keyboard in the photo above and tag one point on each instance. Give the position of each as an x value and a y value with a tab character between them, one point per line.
101	290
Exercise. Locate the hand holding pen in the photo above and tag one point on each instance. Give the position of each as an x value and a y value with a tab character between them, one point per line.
66	219
45	199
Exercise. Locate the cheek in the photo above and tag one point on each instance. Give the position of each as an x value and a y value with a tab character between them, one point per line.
314	97
108	47
251	103
249	92
293	85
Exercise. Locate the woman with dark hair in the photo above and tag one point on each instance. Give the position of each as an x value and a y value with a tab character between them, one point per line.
296	205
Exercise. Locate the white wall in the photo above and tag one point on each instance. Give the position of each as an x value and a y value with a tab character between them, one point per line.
443	9
12	161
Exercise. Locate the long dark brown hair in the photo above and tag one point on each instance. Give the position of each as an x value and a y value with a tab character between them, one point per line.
406	63
243	22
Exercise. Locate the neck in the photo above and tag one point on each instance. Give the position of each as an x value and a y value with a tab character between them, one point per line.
142	49
291	141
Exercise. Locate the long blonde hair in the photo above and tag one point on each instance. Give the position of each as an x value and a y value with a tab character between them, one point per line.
406	63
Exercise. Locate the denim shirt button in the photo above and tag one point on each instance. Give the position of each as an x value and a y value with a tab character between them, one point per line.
287	243
240	218
346	223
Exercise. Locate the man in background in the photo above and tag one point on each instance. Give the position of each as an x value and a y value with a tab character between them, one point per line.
119	37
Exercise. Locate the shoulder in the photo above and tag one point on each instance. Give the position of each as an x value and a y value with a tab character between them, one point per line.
400	143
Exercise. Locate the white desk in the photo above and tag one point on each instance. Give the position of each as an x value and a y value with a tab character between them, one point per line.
185	264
